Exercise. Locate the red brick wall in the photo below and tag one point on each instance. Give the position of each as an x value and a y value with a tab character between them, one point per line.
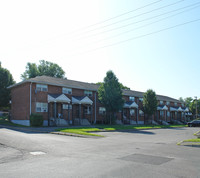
20	106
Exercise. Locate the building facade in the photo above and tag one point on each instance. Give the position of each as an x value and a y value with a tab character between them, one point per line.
68	102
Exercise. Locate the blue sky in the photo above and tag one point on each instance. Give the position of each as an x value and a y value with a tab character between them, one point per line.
148	44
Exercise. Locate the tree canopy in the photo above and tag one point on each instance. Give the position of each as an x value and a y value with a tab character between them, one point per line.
193	105
149	102
110	94
44	68
6	80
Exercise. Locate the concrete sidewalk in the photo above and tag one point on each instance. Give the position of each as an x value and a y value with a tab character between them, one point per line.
51	130
32	129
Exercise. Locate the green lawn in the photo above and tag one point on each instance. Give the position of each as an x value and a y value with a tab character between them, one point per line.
193	140
100	128
82	131
130	127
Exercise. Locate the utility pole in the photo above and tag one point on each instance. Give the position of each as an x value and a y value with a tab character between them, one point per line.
196	106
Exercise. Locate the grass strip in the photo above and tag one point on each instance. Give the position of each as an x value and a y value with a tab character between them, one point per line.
127	127
100	128
81	131
192	140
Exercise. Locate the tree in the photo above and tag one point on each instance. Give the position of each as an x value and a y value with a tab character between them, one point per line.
149	103
44	68
188	100
6	80
110	95
192	107
181	99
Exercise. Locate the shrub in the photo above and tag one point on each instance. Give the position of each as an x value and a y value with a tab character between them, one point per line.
36	120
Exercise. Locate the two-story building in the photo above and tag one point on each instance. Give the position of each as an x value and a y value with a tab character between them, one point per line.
66	102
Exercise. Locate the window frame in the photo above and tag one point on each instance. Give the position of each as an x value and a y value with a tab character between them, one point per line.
67	106
131	98
102	110
88	93
88	110
41	87
68	90
140	99
132	112
43	107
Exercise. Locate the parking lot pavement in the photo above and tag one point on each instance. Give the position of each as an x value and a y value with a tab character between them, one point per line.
142	153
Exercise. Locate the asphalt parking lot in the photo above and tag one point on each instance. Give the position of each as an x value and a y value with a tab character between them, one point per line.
142	153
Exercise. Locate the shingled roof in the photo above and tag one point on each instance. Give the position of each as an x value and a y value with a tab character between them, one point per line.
84	85
60	82
140	95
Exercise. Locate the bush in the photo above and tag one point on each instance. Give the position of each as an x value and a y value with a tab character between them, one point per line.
36	120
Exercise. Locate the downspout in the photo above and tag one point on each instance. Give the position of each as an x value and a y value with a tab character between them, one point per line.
30	97
95	112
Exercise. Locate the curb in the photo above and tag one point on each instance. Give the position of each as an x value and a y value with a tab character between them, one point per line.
73	135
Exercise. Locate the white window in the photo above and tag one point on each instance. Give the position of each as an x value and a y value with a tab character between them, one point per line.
88	93
168	114
141	99
40	87
66	90
141	113
162	113
131	98
41	107
175	104
161	102
88	110
132	112
168	103
102	110
67	106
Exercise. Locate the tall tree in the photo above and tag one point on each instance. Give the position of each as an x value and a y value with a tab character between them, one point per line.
195	104
181	99
149	103
188	100
6	80
44	68
110	95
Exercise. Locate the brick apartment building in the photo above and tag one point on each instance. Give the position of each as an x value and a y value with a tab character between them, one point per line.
66	102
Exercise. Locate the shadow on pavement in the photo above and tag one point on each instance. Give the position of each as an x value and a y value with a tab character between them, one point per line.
30	130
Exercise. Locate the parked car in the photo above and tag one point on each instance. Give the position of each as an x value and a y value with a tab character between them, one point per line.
194	123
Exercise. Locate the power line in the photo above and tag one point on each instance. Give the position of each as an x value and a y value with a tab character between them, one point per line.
138	37
148	24
117	16
135	16
139	21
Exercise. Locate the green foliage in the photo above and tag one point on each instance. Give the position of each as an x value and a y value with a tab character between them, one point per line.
150	102
82	131
110	94
6	80
192	106
100	128
181	99
44	68
36	120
